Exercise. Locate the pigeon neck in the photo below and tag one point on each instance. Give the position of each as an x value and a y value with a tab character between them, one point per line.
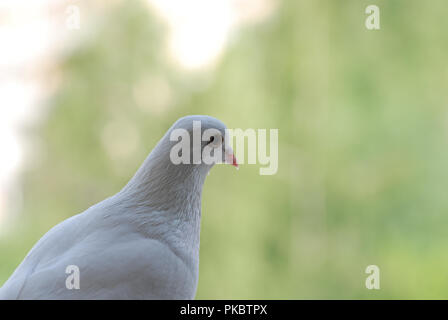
160	185
164	201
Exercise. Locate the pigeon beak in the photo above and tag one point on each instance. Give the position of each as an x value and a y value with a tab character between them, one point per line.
234	162
230	157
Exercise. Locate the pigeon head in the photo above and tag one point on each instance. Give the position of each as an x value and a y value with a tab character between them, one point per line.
179	163
200	140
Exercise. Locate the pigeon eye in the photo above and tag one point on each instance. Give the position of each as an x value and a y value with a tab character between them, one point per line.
214	141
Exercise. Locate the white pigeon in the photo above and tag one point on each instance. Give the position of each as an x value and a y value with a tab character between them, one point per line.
141	243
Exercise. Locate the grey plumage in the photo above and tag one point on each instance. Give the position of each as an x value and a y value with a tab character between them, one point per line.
141	243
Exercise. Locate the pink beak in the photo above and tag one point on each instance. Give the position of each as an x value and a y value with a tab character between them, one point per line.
230	157
234	162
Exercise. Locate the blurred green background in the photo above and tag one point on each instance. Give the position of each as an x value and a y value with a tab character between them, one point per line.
363	129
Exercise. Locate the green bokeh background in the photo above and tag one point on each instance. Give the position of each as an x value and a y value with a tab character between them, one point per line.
363	146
